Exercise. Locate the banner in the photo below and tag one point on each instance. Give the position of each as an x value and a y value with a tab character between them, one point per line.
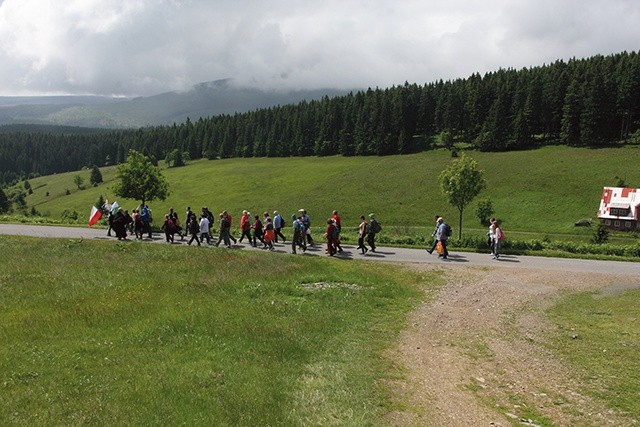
96	214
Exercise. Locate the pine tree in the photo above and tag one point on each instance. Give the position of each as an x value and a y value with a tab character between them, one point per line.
95	177
570	133
5	205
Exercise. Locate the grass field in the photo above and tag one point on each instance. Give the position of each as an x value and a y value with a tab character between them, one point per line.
598	334
537	194
103	333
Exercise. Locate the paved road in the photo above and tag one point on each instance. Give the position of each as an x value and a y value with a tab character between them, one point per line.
386	254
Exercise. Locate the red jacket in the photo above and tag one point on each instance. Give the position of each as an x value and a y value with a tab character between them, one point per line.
244	223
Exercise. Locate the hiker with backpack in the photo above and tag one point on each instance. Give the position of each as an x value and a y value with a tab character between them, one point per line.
444	232
374	228
298	234
435	236
278	225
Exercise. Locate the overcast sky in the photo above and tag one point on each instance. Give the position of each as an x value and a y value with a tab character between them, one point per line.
145	47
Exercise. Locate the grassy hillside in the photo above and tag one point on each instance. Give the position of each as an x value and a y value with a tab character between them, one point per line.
542	192
140	334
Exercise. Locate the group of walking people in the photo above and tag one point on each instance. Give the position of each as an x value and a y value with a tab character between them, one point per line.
442	233
265	229
121	222
268	230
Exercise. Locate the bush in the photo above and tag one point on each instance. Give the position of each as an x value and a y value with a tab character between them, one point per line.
70	215
601	235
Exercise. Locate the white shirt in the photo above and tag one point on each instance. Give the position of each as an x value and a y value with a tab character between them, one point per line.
204	225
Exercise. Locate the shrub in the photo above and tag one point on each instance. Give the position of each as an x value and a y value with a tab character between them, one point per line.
601	235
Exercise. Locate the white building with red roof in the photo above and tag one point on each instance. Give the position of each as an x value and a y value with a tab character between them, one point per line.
619	208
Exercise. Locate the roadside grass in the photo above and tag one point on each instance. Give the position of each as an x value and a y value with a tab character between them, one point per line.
136	334
599	335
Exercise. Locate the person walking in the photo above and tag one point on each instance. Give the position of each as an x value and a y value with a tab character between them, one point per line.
119	225
137	223
307	226
173	216
245	226
194	228
187	219
269	233
145	216
224	236
338	223
169	228
497	235
257	231
204	228
363	230
228	216
298	234
330	235
444	232
435	236
210	218
374	228
278	225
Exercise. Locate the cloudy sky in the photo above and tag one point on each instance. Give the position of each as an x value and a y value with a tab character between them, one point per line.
145	47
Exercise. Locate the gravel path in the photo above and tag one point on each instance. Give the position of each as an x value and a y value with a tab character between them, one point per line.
400	255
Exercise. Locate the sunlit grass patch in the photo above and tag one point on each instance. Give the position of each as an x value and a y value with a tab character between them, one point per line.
137	334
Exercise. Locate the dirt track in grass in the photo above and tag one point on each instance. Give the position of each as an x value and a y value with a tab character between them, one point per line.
475	354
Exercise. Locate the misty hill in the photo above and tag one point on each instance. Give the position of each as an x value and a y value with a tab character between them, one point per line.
202	100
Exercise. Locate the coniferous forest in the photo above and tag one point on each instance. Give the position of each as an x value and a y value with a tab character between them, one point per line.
590	102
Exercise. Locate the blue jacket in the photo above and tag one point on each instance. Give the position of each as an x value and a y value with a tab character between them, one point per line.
277	221
144	214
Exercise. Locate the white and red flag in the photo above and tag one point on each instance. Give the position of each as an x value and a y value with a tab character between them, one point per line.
96	214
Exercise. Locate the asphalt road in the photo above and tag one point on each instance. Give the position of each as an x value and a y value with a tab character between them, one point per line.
383	254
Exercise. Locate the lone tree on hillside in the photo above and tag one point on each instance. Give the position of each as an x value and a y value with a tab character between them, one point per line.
96	176
139	179
461	182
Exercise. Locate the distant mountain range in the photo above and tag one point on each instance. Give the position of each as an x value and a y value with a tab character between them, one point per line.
202	100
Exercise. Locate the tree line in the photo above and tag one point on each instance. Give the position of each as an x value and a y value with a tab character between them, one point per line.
580	102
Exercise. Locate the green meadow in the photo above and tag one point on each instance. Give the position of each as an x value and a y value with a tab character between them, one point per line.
539	193
103	333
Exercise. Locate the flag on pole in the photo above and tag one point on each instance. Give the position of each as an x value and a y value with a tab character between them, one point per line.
115	206
96	214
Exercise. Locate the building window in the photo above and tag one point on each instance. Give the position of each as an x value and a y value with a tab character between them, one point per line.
619	211
616	224
607	222
627	224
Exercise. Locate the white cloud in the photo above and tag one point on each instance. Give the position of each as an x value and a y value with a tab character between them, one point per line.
142	47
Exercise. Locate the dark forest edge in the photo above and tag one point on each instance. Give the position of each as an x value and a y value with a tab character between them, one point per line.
592	102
